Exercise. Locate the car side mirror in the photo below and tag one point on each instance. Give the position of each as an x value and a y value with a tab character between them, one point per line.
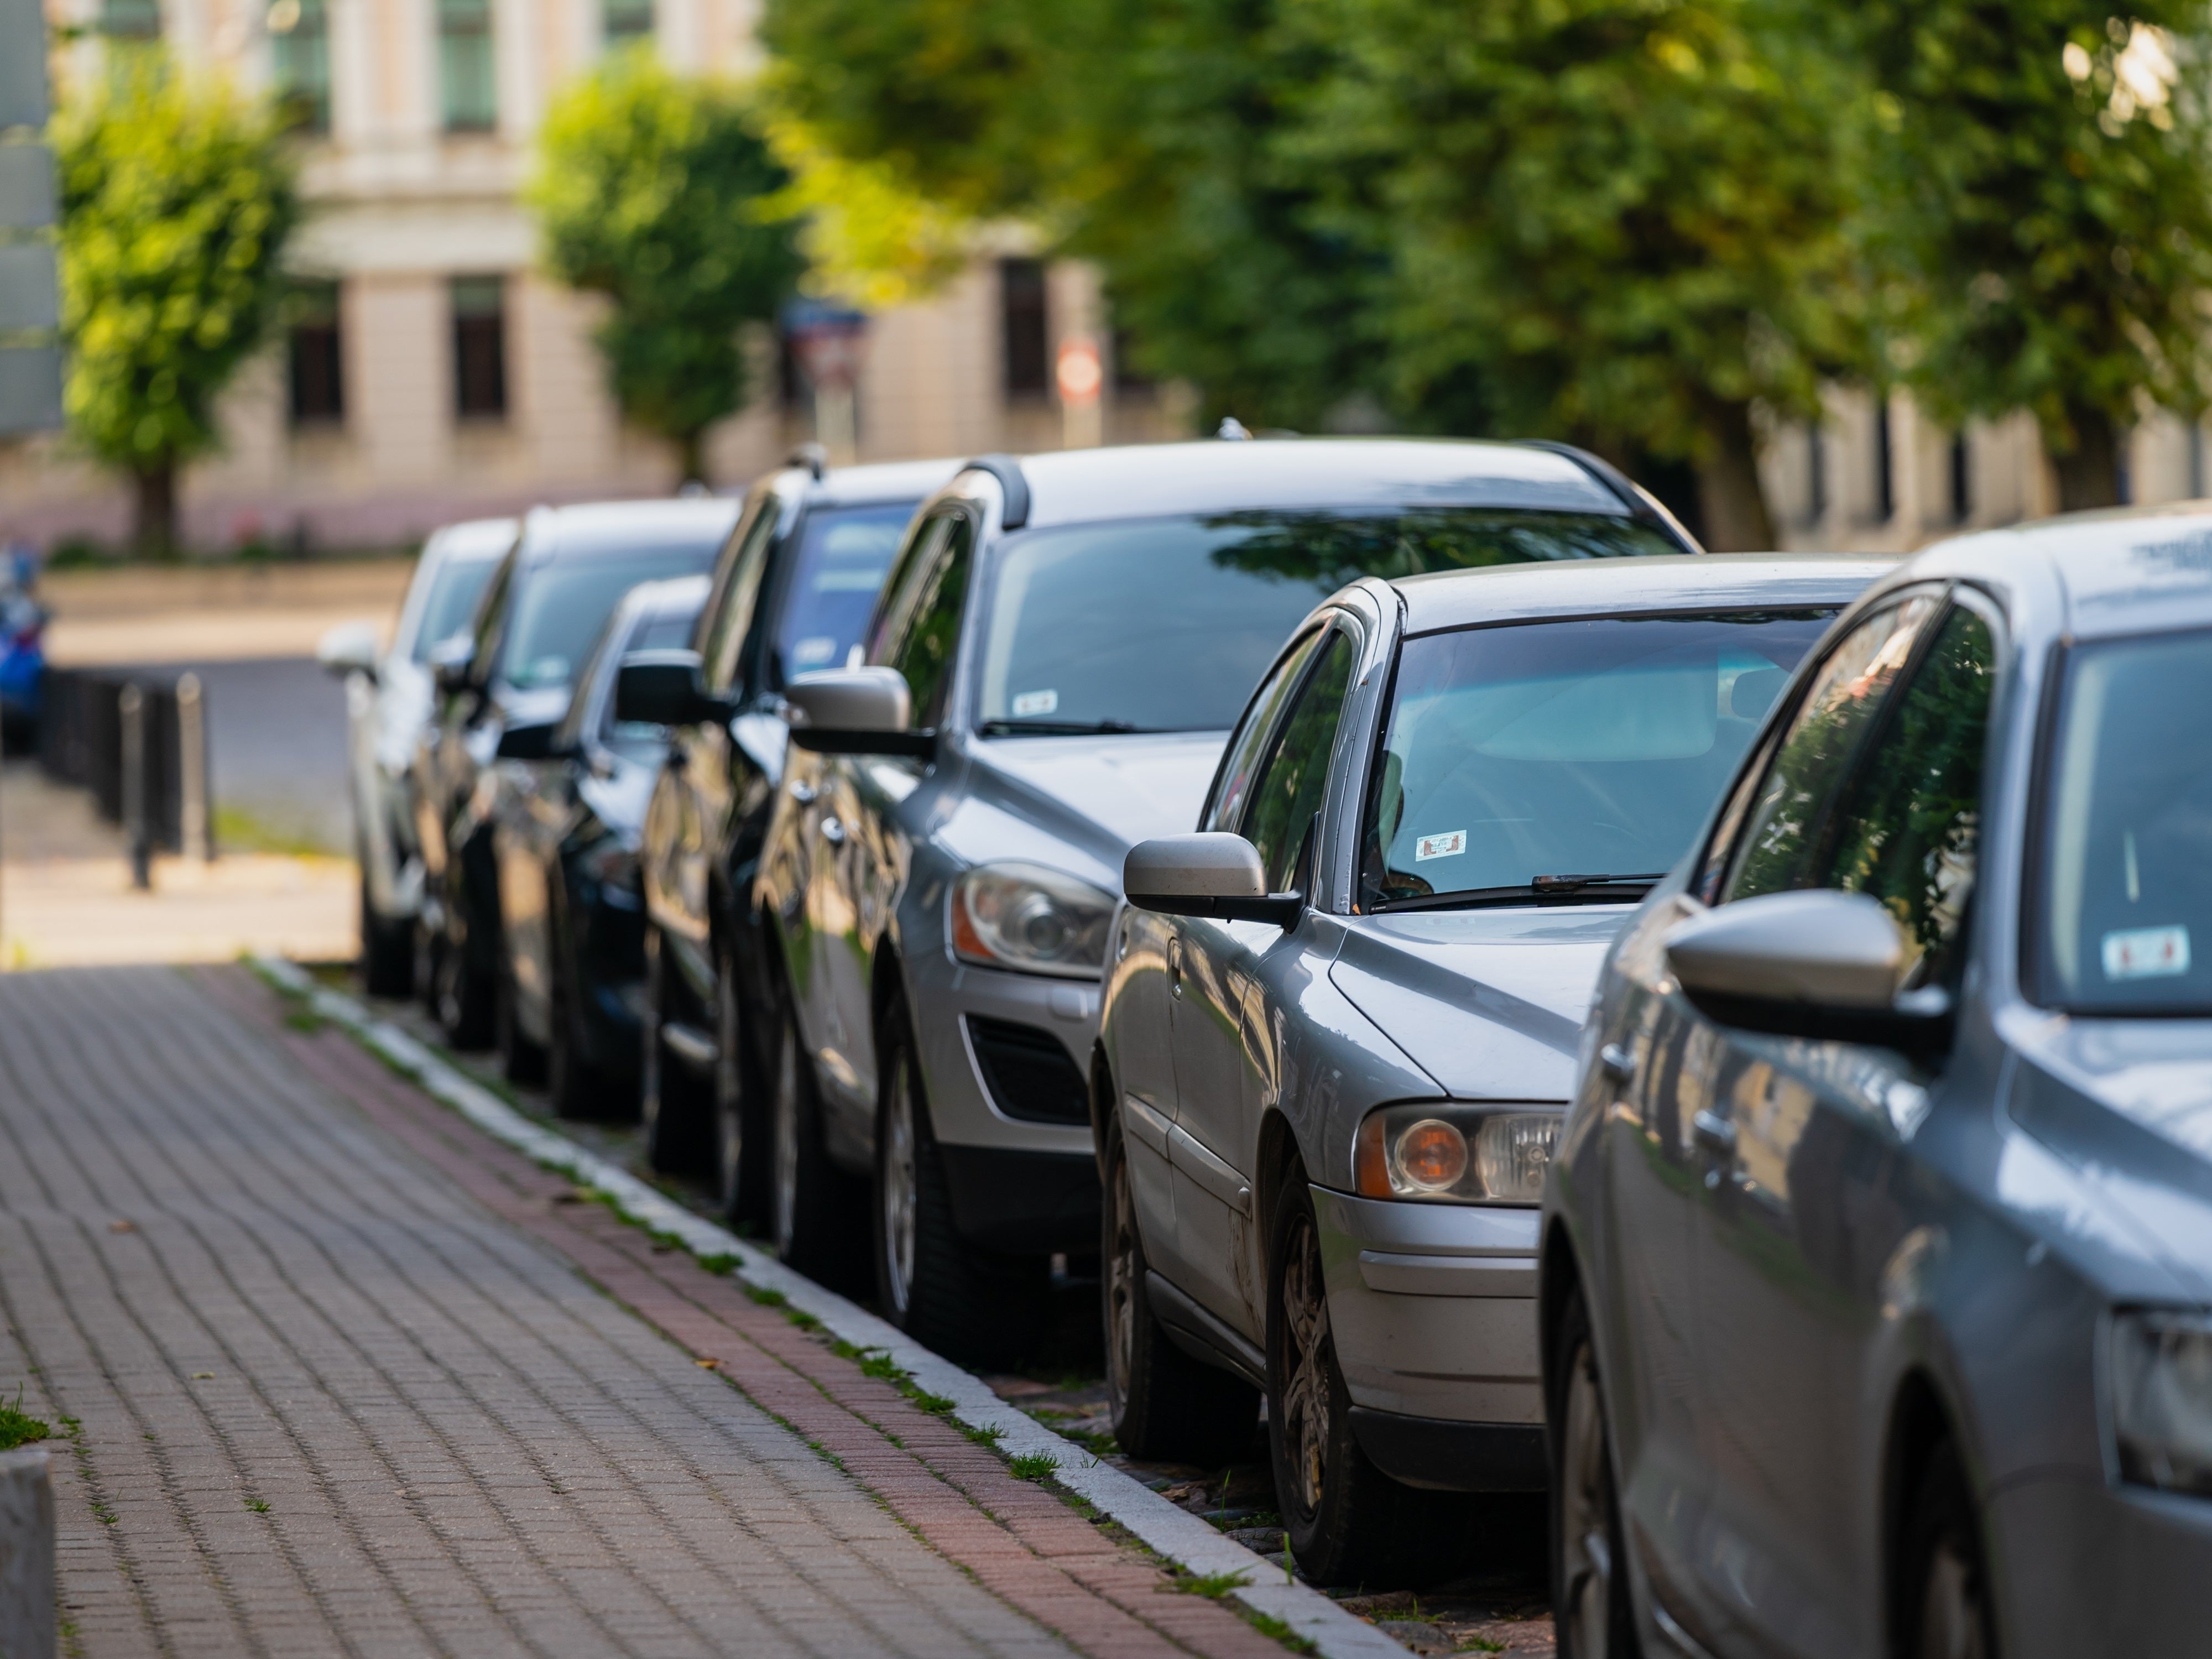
1822	964
450	662
532	743
856	711
350	648
663	688
1213	874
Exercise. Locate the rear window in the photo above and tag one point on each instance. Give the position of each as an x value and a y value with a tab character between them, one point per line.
451	603
844	554
562	606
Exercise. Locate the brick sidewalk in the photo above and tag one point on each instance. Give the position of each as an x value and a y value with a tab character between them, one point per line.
483	1417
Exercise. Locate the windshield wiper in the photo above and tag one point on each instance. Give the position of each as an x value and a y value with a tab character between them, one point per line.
1589	889
1060	728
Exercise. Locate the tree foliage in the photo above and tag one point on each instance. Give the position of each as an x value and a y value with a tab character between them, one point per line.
2041	203
652	189
177	200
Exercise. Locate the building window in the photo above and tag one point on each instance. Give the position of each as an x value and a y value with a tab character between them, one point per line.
1816	473
317	355
1885	476
1962	479
621	22
466	77
1022	315
137	21
479	347
299	48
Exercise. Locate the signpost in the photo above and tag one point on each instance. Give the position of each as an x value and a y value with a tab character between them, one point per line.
827	341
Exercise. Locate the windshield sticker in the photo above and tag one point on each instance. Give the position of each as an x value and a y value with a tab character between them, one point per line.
1035	702
1450	844
2146	953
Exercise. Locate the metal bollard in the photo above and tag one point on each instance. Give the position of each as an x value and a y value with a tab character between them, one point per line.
132	706
198	832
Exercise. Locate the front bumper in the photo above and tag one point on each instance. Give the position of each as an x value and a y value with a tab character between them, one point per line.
2082	1568
1432	1309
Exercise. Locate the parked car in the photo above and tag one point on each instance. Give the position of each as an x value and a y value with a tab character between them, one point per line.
1341	1019
793	590
507	684
1063	642
565	834
1877	1284
388	707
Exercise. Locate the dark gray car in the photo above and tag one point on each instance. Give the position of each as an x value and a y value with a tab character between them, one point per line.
1877	1284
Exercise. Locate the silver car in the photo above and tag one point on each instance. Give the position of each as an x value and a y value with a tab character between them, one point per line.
1877	1283
389	698
1340	1021
1062	643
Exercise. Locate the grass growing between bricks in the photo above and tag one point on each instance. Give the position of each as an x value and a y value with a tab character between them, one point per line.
18	1427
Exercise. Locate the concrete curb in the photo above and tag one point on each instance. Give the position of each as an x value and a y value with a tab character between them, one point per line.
27	1555
1180	1536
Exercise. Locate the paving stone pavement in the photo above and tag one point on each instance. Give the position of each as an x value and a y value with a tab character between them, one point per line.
340	1375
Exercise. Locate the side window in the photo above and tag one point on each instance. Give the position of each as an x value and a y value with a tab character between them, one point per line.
1907	828
730	613
1291	785
909	570
1787	827
1242	756
925	646
491	619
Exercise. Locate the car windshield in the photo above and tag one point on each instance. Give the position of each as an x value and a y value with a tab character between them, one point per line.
451	603
562	606
2127	883
1165	624
1540	759
844	553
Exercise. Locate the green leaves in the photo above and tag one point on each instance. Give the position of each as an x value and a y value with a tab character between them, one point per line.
651	190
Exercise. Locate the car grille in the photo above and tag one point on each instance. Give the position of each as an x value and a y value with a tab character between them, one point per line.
1027	1072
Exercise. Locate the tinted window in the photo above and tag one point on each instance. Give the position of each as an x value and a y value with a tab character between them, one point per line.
734	597
1581	747
927	626
1292	785
1782	840
562	606
843	556
454	591
1165	624
2126	887
1242	756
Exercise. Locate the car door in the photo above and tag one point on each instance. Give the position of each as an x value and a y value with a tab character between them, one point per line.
1218	1028
1875	788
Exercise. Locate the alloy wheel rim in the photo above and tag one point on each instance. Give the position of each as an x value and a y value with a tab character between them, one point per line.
1950	1608
1305	1391
898	1187
1121	1293
786	1139
1585	1516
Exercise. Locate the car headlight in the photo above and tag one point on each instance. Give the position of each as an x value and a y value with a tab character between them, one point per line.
1455	1154
1031	919
2161	1395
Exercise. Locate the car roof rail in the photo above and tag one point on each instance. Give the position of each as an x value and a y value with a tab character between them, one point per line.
813	457
1641	505
1012	486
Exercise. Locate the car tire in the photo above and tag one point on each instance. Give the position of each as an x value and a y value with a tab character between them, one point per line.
742	1153
1943	1601
978	1307
1166	1406
1591	1610
522	1059
578	1088
387	949
816	1215
673	1101
465	992
1343	1519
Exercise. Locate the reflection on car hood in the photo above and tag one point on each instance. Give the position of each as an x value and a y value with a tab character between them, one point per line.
1104	794
404	708
1489	1003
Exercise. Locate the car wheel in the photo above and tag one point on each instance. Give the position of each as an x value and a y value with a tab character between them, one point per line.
521	1059
1944	1607
465	994
1343	1519
1590	1604
1166	1406
671	1101
387	949
976	1306
816	1215
742	1151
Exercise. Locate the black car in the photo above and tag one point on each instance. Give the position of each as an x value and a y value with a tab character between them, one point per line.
565	834
502	689
792	593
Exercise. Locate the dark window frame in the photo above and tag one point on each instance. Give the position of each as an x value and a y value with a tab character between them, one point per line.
1024	327
315	352
481	390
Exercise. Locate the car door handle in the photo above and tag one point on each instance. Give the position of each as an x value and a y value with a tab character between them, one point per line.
1175	966
1714	1133
833	832
1618	1063
804	793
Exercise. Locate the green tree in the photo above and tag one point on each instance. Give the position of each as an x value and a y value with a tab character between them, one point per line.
2045	215
654	191
177	200
1626	220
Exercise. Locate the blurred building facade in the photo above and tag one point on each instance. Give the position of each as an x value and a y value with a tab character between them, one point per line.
429	372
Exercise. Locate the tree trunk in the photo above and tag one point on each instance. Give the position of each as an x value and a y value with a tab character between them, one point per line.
2089	471
691	457
154	532
1729	498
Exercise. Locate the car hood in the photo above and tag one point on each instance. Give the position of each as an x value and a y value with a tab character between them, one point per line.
1489	1003
1026	796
